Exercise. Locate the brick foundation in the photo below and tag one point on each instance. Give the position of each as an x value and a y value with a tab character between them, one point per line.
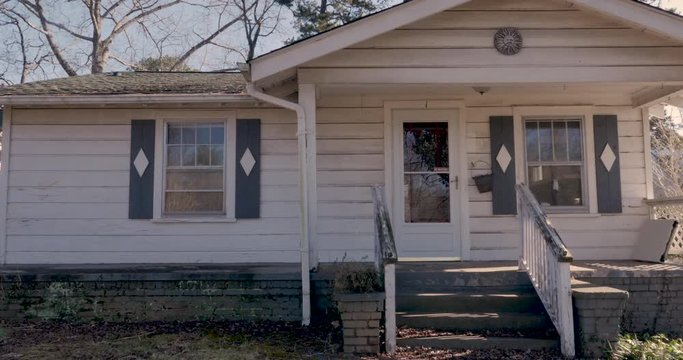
361	315
655	297
598	312
135	294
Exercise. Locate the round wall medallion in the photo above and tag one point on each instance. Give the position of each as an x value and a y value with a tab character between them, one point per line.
508	41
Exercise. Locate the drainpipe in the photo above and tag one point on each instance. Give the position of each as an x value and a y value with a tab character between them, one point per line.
303	165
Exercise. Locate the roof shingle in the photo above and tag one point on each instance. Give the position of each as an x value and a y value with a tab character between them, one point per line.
127	83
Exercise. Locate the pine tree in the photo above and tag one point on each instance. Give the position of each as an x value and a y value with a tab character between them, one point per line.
315	16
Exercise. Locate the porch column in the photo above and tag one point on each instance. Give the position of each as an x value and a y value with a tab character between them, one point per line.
307	100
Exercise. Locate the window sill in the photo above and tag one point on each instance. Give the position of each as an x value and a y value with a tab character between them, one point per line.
193	220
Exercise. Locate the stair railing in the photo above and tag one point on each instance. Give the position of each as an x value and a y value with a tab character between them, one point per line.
385	260
547	260
670	209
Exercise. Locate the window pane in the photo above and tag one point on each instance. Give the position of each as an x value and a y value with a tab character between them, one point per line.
425	147
174	134
575	142
218	134
546	140
532	141
560	140
193	179
188	155
217	155
203	155
194	202
427	198
556	185
203	134
173	156
188	134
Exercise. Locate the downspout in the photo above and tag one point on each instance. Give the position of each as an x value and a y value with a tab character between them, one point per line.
303	170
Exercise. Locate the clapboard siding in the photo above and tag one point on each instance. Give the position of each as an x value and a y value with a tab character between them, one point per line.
556	35
530	19
350	160
601	237
465	58
481	39
68	195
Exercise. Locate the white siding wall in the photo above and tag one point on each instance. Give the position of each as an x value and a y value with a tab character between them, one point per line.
590	236
556	34
68	195
350	161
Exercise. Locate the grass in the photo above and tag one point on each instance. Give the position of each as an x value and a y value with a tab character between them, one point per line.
658	347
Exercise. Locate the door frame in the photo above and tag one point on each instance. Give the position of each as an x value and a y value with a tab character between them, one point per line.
462	167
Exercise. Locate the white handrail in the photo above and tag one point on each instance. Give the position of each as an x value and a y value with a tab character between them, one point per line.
671	209
385	260
547	260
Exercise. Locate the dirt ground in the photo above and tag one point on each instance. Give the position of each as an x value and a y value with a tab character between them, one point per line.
201	340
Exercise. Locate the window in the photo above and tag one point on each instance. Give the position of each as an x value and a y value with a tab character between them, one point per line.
195	168
555	162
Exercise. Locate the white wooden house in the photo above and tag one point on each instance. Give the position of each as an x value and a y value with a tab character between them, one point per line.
277	164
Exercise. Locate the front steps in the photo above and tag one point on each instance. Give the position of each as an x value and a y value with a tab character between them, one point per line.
470	306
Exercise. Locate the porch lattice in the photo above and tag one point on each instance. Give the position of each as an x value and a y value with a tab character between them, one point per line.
671	209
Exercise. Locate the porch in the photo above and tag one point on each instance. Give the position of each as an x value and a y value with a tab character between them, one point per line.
494	305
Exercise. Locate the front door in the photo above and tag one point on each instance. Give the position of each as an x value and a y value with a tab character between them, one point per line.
426	182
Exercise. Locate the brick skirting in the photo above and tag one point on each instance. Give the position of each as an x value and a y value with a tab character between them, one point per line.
163	293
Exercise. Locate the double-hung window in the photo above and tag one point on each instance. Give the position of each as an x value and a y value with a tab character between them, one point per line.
194	171
555	162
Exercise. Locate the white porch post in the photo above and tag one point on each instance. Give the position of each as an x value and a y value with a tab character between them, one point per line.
307	100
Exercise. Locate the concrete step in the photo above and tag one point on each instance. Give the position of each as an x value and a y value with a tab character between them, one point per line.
478	342
474	321
467	301
456	279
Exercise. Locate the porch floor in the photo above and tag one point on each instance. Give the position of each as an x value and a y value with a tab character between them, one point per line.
581	269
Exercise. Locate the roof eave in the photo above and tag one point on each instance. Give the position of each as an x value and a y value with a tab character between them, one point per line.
642	15
52	100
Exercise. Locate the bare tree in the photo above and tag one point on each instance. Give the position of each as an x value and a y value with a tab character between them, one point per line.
667	156
89	36
260	19
104	22
25	54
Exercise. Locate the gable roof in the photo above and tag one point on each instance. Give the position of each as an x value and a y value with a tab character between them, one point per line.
648	17
132	83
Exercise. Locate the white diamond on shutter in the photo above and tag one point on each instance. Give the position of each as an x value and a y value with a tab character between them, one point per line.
141	162
608	158
247	162
504	159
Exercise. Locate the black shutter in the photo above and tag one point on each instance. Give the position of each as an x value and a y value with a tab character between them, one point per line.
607	164
248	172
503	165
141	192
